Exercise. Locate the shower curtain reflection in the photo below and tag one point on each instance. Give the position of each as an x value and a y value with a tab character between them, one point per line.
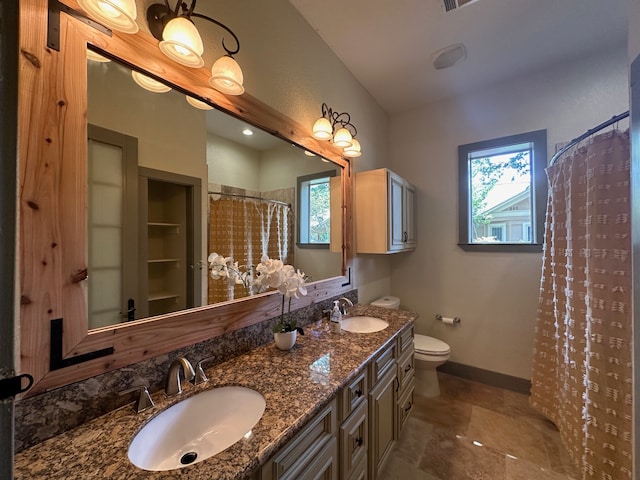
245	229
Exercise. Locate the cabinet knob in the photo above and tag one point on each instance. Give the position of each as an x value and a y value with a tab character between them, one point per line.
408	367
357	393
358	441
408	407
405	236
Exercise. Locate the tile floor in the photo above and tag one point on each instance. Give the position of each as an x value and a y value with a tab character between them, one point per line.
478	432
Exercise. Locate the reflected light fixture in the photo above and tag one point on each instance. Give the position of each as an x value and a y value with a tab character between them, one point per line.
181	42
149	83
96	57
247	132
118	15
337	126
194	102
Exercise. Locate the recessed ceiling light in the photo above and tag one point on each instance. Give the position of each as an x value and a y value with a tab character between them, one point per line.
309	154
247	131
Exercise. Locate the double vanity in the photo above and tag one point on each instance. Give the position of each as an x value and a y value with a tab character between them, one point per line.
330	408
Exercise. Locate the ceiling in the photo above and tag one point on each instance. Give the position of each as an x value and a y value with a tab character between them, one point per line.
388	44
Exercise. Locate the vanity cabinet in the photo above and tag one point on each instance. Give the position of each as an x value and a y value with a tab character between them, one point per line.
312	454
385	212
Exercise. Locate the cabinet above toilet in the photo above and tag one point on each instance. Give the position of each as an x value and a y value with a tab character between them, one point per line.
385	212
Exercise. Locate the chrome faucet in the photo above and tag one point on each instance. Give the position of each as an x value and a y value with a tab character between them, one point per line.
174	386
345	304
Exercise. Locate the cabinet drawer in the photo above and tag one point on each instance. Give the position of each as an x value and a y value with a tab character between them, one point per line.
382	363
354	394
406	368
405	405
300	451
354	441
405	340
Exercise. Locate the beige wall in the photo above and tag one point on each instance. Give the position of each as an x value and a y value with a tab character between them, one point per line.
495	294
171	134
230	163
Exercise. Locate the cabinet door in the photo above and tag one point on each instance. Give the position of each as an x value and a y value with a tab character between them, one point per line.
395	185
409	216
353	441
383	421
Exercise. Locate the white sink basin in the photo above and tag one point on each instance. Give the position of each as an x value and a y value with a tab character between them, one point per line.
363	324
196	428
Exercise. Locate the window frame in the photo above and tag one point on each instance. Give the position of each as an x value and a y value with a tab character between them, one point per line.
300	181
538	191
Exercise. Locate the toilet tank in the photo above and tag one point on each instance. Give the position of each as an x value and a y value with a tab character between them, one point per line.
387	302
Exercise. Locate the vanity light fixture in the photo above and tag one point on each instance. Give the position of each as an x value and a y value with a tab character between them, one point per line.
337	126
149	83
194	102
118	15
182	43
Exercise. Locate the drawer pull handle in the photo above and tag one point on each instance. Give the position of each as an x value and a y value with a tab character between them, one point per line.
408	407
357	393
407	368
358	441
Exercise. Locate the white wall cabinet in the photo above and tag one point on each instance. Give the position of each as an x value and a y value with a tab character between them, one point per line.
385	212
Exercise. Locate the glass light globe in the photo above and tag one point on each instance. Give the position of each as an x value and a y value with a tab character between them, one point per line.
226	76
149	83
96	57
182	43
118	15
353	150
322	129
194	102
342	138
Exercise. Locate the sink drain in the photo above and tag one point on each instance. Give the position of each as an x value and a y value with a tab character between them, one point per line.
188	458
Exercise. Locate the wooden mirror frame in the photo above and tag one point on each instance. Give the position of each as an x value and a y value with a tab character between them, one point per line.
52	146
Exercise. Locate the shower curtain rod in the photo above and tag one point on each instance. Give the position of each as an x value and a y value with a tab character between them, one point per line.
253	197
587	134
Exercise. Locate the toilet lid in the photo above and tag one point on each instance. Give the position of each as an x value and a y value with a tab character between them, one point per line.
430	345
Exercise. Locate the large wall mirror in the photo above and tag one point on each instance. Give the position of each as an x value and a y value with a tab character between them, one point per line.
148	250
116	219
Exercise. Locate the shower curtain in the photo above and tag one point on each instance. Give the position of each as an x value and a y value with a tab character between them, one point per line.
246	229
582	377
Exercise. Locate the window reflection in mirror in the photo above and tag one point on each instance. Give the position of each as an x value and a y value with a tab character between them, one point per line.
181	153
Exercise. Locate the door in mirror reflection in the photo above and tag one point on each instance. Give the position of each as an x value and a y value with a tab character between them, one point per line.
112	217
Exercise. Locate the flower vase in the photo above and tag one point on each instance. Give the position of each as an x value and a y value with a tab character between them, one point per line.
285	340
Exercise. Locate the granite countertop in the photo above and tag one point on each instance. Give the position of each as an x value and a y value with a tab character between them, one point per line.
296	384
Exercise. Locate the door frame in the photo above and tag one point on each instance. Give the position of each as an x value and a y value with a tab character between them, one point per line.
9	39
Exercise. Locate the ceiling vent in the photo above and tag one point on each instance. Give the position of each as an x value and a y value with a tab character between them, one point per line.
454	4
448	56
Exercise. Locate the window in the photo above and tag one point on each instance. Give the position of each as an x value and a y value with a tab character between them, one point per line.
314	207
502	193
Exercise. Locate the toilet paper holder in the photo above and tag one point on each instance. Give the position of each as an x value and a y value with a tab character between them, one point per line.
448	320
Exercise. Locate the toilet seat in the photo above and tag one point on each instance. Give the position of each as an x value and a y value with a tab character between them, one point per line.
426	345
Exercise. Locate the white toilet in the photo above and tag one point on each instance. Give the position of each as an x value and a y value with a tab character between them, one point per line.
429	354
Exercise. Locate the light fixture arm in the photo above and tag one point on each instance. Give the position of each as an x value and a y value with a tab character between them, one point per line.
343	119
158	15
223	26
